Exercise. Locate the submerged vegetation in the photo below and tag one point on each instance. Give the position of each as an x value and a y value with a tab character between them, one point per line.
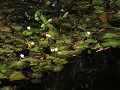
43	40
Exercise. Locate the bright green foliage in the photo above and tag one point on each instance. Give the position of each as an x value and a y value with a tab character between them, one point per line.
111	39
112	43
17	64
4	69
110	35
27	33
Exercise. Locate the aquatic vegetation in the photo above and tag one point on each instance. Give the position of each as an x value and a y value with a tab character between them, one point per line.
45	38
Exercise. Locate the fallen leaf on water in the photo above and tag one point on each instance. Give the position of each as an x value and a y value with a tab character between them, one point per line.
105	16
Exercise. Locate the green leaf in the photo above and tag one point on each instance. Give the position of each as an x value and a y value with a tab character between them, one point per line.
16	75
110	35
37	49
112	43
58	68
43	43
80	45
54	34
97	2
16	64
33	61
48	57
60	61
36	75
37	15
27	33
6	88
2	76
43	18
4	69
117	3
65	53
91	41
16	27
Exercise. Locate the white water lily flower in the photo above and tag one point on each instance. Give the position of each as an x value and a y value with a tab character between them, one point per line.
88	33
48	35
49	20
52	50
28	27
22	56
32	43
55	49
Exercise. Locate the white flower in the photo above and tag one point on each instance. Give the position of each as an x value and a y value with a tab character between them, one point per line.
55	49
87	19
52	50
49	20
28	27
48	35
88	33
32	43
43	25
22	56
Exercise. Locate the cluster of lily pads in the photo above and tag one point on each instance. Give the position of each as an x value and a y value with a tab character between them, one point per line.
49	46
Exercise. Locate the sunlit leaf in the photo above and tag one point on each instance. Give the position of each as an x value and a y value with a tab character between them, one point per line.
111	35
112	43
16	75
2	76
27	33
4	69
37	15
16	64
42	17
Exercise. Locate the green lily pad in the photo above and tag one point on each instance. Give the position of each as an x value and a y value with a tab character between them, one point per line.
16	64
2	76
6	88
16	75
16	27
97	2
4	69
27	33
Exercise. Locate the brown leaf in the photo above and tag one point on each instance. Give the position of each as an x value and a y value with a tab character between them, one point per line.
105	16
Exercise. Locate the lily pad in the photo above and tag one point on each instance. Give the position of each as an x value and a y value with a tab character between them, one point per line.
27	33
16	75
16	27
